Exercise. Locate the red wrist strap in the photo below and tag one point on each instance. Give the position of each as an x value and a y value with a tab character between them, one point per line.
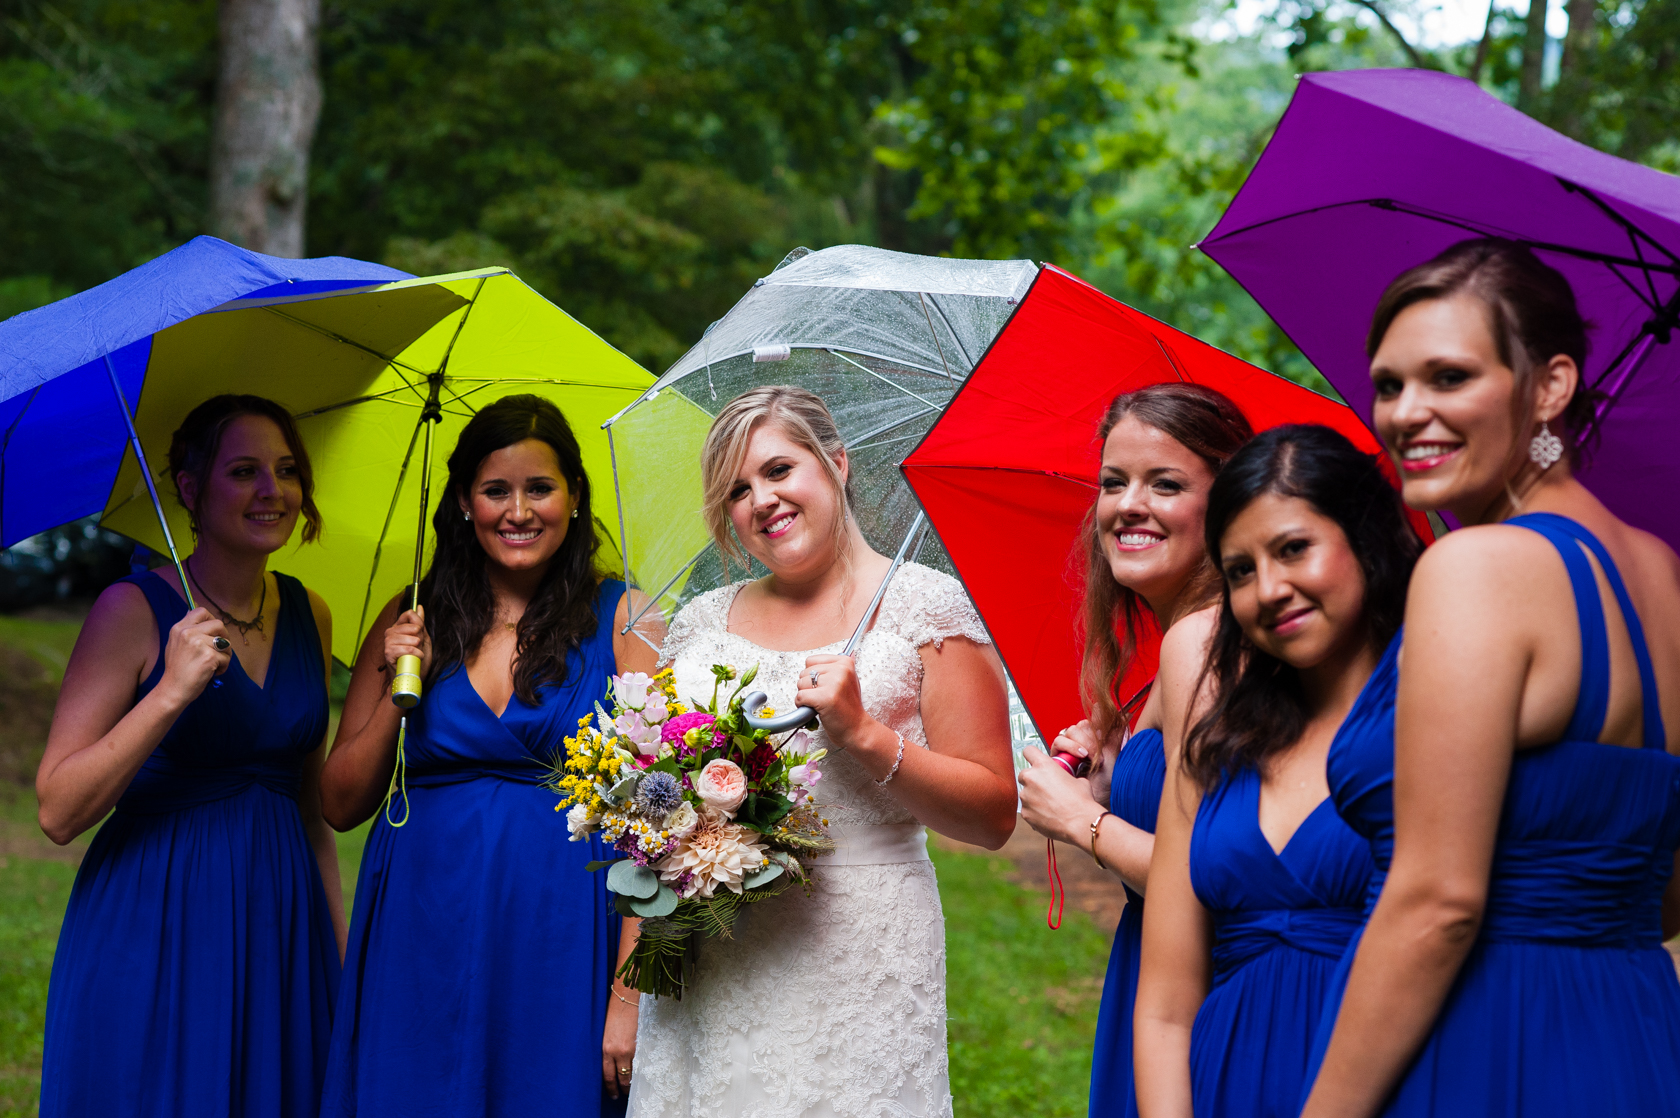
1058	895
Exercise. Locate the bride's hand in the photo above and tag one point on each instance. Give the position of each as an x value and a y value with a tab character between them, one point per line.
829	685
618	1043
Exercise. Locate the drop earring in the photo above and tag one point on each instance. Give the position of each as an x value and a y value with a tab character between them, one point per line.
1545	448
466	516
574	514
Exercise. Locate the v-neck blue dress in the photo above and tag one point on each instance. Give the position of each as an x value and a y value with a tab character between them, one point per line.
197	967
1135	796
1568	1003
1280	923
481	951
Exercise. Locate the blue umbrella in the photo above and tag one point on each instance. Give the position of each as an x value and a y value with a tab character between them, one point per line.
72	372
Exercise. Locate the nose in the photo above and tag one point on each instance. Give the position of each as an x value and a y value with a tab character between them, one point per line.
1272	584
1410	411
268	484
1134	502
764	499
521	507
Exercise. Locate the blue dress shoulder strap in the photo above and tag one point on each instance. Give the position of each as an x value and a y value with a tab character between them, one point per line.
1593	703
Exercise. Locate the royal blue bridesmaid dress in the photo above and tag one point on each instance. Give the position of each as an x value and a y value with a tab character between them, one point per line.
1135	796
481	951
197	967
1568	1003
1281	921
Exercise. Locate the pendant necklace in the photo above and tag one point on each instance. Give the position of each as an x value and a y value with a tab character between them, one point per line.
244	627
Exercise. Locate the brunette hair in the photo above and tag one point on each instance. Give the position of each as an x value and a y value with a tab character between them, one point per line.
1209	426
799	414
1258	706
193	447
460	608
1531	311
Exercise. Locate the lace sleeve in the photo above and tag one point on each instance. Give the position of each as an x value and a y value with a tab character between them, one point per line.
703	615
924	605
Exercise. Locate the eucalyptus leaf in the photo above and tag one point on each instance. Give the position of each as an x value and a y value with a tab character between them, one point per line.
769	873
591	867
622	904
627	879
662	903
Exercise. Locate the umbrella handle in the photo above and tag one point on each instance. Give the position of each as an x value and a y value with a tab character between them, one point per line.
792	720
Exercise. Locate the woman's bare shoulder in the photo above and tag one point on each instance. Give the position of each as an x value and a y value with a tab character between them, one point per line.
1184	647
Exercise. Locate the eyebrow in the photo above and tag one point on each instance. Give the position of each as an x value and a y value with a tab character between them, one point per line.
1157	471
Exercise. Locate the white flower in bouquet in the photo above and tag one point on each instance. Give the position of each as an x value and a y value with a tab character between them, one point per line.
802	781
681	822
630	690
632	725
580	822
716	853
721	785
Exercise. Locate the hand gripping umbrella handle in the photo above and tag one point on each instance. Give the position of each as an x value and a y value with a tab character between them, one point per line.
800	716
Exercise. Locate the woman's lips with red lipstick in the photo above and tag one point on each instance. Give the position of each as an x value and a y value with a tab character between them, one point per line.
1420	456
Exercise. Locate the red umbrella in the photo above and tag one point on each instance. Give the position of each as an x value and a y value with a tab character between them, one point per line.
1009	471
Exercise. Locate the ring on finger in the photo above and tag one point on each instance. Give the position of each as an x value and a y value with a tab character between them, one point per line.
624	1073
220	644
815	675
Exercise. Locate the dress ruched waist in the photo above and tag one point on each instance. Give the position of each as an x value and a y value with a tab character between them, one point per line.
164	785
436	776
883	845
1575	893
1248	934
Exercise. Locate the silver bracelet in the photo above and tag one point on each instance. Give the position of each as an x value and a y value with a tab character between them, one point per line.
897	761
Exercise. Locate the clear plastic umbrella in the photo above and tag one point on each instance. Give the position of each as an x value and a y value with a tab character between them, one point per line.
885	338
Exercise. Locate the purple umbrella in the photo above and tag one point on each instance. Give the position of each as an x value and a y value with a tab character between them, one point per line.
1373	171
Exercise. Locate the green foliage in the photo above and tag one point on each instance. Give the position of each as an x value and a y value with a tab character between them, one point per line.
32	899
1022	999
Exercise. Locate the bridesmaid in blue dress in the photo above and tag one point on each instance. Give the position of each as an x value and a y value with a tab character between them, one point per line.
1257	884
479	976
1162	447
1512	763
198	962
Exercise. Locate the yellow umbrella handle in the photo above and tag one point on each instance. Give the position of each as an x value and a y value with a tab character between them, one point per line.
405	688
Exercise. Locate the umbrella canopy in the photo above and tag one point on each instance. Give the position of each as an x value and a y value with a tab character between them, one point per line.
1371	172
62	434
885	338
1008	473
356	369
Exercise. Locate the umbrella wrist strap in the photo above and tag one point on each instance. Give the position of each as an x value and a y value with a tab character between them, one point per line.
399	778
1058	894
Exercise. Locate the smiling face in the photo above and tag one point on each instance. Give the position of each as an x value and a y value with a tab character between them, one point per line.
1296	587
251	493
520	505
783	506
1445	407
1151	509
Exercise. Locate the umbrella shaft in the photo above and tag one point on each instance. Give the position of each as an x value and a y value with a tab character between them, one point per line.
151	485
425	503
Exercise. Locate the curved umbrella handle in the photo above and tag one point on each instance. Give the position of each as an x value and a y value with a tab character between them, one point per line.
792	720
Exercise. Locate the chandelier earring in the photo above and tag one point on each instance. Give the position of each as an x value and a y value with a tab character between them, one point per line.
1545	448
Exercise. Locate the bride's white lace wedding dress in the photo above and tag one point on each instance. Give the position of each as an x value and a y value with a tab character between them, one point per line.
833	1003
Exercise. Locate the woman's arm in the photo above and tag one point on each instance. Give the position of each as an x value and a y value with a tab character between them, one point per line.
1466	661
1177	966
632	653
98	741
963	785
357	772
321	838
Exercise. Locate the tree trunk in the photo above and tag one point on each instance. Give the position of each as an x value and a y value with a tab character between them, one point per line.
1482	47
1534	56
268	99
1569	99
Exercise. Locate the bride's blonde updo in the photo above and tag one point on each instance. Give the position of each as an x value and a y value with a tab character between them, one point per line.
804	419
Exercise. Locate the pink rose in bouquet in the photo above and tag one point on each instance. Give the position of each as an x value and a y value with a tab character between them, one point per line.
721	785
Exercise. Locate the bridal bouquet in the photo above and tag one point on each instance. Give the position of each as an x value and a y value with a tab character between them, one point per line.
708	814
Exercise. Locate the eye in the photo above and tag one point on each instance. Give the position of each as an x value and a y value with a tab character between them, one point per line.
778	471
1167	486
1387	388
1113	484
1237	570
541	489
738	492
494	492
1449	377
1293	549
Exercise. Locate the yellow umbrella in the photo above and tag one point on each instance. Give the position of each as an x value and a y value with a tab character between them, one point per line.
357	371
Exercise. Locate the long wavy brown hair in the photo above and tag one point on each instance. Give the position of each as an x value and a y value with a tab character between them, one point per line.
1211	427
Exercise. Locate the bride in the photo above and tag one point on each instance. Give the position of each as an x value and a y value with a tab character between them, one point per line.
831	1003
